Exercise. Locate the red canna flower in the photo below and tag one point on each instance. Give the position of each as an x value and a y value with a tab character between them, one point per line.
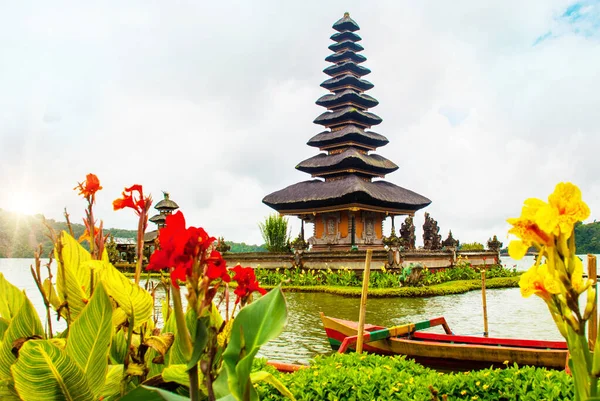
216	267
136	202
181	246
89	188
247	283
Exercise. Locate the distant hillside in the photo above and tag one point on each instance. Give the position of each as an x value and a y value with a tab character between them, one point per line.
587	238
20	235
243	247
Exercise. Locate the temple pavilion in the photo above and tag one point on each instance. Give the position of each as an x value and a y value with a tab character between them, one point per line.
348	200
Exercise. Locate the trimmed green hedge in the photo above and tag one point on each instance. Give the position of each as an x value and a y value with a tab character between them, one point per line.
453	287
355	377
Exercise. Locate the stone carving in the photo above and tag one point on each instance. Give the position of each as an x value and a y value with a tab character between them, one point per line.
431	237
407	233
493	244
393	246
450	242
222	246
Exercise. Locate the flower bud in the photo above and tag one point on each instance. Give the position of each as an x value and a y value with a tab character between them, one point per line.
590	305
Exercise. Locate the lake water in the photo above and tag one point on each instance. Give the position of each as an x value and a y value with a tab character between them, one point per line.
509	315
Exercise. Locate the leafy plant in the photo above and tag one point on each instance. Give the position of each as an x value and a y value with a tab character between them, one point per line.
372	377
472	246
275	233
112	345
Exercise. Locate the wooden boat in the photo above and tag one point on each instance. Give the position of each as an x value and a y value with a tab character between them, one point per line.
445	351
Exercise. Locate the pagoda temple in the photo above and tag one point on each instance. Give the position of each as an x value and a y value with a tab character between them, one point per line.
347	201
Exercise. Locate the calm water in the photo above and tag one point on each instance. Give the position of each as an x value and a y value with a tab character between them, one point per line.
509	315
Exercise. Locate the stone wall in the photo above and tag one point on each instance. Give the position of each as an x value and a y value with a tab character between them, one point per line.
356	260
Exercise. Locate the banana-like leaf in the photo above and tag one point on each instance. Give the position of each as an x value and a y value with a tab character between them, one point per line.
175	355
89	339
60	343
254	326
129	296
7	391
112	385
147	393
118	347
73	255
3	327
178	374
44	372
73	277
267	377
25	324
11	299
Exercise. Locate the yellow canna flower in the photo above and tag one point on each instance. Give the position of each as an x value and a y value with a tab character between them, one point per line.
526	228
570	208
540	281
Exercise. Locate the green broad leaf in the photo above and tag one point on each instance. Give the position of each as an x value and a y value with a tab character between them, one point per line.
267	377
11	299
146	393
118	347
254	326
44	372
3	327
73	277
129	296
112	383
60	343
89	338
7	391
175	355
25	324
179	374
166	310
199	340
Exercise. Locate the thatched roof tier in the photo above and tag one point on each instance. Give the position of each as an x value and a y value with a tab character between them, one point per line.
345	24
166	203
348	115
348	193
346	81
350	133
346	45
351	159
347	55
343	36
347	98
346	67
158	218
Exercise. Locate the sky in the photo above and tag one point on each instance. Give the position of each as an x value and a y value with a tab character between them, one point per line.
485	104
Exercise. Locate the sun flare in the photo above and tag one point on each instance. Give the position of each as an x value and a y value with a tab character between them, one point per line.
23	202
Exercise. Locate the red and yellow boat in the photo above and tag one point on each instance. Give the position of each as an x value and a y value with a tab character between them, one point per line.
445	351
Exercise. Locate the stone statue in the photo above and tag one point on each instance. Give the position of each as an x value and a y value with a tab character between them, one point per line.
495	245
407	233
431	237
450	242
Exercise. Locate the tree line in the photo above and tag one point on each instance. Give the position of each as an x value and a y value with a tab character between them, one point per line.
21	234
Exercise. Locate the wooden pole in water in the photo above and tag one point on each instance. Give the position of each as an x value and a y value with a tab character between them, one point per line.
593	322
484	301
363	302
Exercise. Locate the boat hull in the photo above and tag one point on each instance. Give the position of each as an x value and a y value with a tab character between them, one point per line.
444	353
